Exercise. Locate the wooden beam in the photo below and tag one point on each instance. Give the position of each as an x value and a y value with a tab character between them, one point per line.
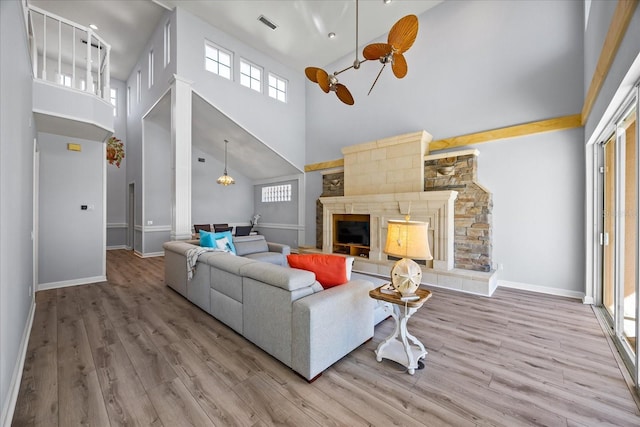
324	165
555	124
617	29
549	125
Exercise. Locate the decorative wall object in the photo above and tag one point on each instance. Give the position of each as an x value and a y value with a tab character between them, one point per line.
115	151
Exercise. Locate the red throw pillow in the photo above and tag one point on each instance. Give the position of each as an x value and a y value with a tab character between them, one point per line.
330	270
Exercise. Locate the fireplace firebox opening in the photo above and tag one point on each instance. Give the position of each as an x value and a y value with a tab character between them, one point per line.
351	234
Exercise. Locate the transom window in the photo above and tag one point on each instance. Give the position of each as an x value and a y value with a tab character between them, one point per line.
113	95
217	60
277	88
250	75
276	193
150	68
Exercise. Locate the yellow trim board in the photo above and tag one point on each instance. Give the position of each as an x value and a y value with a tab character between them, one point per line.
558	123
549	125
324	165
617	30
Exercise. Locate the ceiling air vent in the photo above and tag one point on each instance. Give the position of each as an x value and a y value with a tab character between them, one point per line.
266	22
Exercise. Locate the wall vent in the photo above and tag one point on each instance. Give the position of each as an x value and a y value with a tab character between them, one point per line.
267	22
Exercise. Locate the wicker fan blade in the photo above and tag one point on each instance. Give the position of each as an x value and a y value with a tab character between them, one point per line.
376	80
399	65
323	80
403	33
376	50
311	73
343	94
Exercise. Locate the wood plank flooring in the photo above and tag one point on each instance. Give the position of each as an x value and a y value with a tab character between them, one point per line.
131	351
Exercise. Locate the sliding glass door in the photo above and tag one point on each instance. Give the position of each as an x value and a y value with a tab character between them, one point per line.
619	237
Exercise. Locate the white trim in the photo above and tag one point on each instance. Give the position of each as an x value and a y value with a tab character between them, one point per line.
9	406
541	289
148	255
473	152
73	282
75	119
113	248
117	225
72	89
281	226
104	211
324	172
155	228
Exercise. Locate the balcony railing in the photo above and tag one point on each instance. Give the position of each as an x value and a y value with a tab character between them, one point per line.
67	53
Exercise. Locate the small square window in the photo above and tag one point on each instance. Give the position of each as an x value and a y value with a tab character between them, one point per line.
217	60
276	193
277	88
250	75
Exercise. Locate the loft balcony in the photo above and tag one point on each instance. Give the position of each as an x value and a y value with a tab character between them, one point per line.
71	75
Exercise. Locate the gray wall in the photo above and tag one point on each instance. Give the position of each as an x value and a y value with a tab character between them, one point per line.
476	66
71	241
157	180
149	96
16	197
599	20
281	126
212	203
117	177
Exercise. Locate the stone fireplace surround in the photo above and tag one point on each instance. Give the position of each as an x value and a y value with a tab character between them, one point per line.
380	180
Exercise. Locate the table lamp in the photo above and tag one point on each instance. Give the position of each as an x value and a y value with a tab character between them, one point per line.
407	240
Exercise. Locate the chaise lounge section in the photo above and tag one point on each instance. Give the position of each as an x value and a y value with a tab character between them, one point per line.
282	310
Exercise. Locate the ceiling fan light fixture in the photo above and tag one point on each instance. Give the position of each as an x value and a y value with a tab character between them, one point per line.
400	39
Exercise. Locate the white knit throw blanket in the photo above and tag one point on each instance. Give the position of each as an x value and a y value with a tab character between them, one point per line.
192	258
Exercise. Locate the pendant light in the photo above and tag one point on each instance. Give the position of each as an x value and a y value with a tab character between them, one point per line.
224	178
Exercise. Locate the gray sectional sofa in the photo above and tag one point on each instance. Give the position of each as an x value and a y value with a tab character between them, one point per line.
282	310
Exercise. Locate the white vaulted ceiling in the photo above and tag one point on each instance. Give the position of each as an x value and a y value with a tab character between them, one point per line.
300	39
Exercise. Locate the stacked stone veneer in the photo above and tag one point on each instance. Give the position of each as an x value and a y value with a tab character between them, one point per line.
459	171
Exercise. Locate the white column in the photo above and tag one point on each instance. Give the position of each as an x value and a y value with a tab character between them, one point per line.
181	158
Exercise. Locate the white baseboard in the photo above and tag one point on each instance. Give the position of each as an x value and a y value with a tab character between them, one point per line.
149	254
116	247
74	282
541	289
9	406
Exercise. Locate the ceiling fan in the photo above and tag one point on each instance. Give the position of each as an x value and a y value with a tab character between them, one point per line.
400	39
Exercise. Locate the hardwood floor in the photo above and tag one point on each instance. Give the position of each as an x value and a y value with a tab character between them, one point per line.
131	351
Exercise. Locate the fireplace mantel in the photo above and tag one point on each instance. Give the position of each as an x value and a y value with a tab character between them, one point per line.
434	207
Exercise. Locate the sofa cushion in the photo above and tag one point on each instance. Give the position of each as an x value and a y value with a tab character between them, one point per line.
270	257
246	245
330	270
275	275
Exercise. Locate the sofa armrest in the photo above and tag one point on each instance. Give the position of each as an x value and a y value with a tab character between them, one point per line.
328	325
279	247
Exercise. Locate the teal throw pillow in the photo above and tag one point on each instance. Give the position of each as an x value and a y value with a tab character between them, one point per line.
207	240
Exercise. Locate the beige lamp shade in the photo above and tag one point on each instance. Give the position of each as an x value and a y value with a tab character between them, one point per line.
408	239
